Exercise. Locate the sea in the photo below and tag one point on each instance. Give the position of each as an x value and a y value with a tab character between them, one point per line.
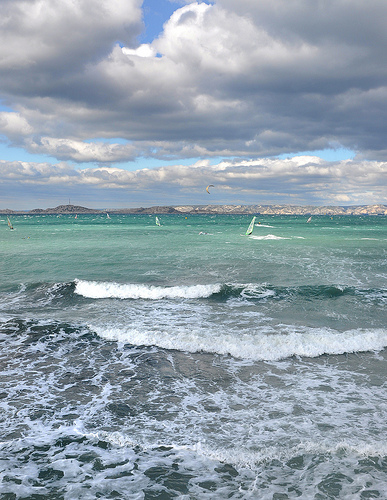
191	361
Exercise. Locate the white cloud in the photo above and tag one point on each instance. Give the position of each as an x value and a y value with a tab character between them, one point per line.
298	180
144	50
238	79
14	125
79	151
54	34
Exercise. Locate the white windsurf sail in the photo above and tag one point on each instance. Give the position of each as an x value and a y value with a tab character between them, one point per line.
157	221
9	223
251	226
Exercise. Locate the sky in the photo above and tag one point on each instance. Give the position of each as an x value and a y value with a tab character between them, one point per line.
129	103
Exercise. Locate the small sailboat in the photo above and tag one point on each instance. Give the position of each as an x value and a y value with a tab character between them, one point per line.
108	216
310	218
158	221
9	223
251	226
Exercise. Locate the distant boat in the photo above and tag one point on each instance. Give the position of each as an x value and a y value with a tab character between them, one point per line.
251	226
310	218
107	216
157	221
9	223
76	216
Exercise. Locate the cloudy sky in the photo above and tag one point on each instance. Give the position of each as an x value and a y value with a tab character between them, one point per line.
123	103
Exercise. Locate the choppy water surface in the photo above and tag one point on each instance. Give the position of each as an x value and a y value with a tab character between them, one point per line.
191	361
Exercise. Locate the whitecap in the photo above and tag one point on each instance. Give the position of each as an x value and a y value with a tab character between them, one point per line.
101	290
265	344
269	237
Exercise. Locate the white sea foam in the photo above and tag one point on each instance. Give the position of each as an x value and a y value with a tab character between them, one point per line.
258	470
252	290
266	343
241	457
250	459
268	237
101	290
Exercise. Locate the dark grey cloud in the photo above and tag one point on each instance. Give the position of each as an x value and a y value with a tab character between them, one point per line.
243	79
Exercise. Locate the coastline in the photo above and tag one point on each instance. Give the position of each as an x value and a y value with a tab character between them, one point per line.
213	209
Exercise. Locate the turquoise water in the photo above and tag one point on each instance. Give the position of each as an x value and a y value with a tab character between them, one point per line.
192	361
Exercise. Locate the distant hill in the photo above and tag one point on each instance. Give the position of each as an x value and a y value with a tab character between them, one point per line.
215	209
65	209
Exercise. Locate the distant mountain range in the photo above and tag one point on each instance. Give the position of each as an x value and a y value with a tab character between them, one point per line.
214	209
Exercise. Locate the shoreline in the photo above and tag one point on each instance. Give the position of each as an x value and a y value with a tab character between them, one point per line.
213	209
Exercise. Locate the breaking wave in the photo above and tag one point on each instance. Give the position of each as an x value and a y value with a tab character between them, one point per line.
96	290
103	290
65	294
269	344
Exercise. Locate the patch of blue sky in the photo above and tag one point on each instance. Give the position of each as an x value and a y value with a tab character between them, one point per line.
155	14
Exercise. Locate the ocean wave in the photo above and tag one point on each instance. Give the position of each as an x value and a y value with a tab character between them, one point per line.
265	344
43	295
216	291
101	290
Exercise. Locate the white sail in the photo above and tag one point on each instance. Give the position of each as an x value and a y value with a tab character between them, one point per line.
9	223
251	226
157	221
310	218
